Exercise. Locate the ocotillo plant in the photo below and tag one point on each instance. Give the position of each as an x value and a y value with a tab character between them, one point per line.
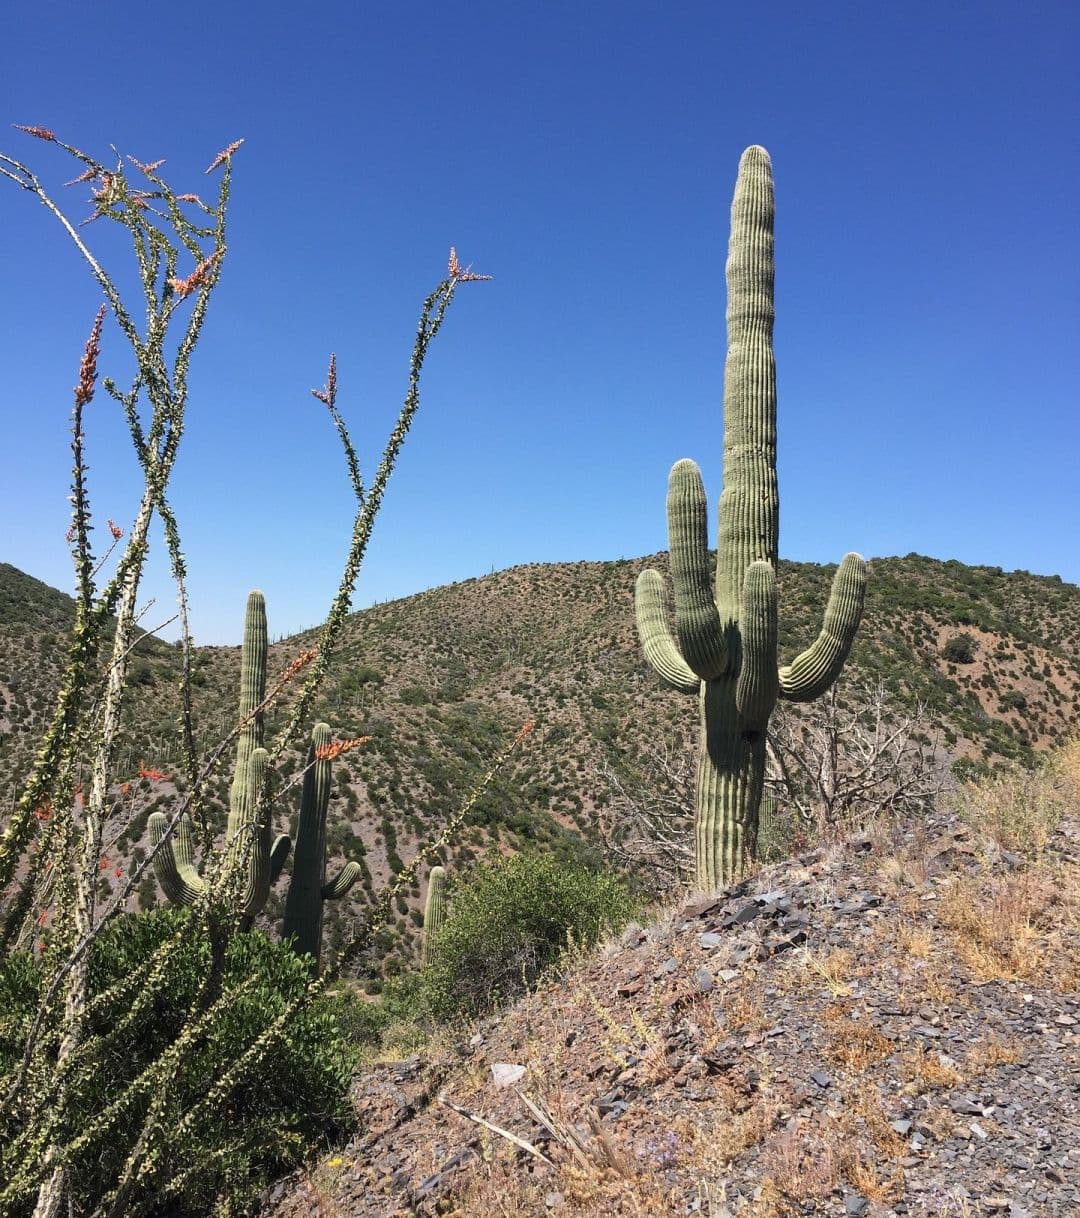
434	909
726	648
248	835
308	888
52	846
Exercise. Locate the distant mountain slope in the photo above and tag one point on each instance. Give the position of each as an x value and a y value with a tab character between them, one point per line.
441	679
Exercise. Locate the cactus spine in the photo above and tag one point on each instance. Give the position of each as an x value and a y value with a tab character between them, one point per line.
308	889
724	646
248	836
434	910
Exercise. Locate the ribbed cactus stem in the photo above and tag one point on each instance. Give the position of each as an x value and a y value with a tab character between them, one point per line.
254	857
308	889
724	643
749	501
434	910
253	659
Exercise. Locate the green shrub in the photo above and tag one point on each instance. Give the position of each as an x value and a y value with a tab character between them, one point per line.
512	919
294	1100
960	649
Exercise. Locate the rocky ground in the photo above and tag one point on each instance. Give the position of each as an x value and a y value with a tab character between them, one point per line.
886	1026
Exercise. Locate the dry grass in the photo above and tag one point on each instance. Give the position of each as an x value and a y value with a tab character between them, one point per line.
805	1163
828	968
928	1070
1018	809
990	1053
746	1014
854	1044
1021	925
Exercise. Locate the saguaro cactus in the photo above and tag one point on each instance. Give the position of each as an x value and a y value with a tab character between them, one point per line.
726	641
248	835
434	909
308	889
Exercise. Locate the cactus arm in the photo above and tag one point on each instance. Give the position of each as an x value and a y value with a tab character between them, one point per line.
810	674
342	882
434	910
756	690
302	922
697	622
173	864
279	852
249	832
749	501
656	642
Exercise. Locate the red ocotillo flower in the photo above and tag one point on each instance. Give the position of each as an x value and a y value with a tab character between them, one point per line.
223	156
147	169
467	275
84	390
327	752
184	287
328	396
40	133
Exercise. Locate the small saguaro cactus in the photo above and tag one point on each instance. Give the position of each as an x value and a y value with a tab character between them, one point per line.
248	834
308	888
434	909
726	641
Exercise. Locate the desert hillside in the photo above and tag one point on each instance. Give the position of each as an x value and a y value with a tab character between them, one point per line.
441	680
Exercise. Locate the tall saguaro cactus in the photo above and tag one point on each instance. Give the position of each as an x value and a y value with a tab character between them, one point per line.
725	641
248	835
308	887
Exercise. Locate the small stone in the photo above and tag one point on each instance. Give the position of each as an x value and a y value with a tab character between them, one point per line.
741	916
1066	1021
965	1105
771	898
821	1078
978	1130
903	1128
506	1074
855	1205
710	939
551	1200
728	974
669	966
703	981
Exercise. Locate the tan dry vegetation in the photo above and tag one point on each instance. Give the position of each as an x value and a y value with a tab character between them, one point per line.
715	1109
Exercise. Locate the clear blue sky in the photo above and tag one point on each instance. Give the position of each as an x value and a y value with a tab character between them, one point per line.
928	262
